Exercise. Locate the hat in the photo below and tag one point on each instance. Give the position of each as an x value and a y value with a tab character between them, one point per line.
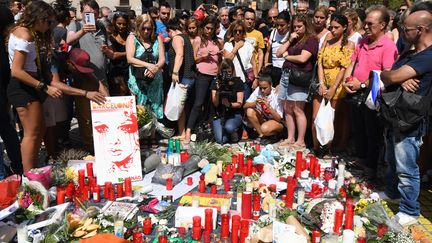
199	15
81	60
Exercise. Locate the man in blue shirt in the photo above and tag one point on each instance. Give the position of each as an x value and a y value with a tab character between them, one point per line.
164	16
413	73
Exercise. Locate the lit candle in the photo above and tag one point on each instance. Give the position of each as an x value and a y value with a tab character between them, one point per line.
119	190
196	228
107	187
89	169
169	184
235	227
128	187
291	184
298	163
246	207
61	193
81	177
208	222
224	226
338	221
349	213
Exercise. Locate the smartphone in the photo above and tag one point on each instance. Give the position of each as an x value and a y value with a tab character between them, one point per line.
89	18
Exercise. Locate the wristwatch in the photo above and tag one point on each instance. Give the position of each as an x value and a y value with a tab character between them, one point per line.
41	86
363	86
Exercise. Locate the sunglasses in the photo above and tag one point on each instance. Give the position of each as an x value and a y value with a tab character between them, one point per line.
120	14
147	29
238	31
402	9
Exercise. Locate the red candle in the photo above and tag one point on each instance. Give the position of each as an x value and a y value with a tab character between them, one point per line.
196	228
213	189
298	163
91	182
169	184
96	193
227	186
128	187
119	190
147	226
382	230
244	231
202	186
107	187
256	206
291	184
137	237
162	239
361	240
235	227
338	221
317	173
189	181
316	236
234	162
224	226
208	223
206	237
249	167
89	170
202	177
258	147
184	156
240	163
349	213
61	193
111	194
246	207
70	189
312	166
81	177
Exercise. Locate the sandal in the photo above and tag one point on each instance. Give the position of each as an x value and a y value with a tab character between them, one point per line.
286	143
298	147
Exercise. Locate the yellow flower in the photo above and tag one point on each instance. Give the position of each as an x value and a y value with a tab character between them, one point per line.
70	173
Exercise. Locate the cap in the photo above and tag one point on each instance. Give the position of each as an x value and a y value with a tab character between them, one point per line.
81	60
199	15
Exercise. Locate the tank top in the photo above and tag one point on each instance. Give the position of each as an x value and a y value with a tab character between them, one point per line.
188	68
208	66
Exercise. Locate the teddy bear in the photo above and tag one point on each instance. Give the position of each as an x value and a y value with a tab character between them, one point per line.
211	175
266	193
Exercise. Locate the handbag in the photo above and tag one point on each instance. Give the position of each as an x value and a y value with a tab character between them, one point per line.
249	77
140	72
300	78
360	96
314	85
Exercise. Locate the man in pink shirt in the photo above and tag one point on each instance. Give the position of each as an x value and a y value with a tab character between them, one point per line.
374	52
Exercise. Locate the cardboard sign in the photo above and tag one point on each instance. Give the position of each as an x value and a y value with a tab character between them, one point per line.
116	141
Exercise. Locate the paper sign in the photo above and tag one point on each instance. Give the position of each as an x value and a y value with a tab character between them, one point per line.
116	141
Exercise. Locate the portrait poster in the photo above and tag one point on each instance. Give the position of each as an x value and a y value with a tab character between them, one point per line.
116	141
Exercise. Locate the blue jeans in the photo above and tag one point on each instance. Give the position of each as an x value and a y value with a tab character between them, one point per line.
403	175
247	90
189	82
232	124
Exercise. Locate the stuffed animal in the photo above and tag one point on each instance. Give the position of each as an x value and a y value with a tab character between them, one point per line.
266	193
211	175
268	177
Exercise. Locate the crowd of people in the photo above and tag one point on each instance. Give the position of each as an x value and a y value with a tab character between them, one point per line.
248	77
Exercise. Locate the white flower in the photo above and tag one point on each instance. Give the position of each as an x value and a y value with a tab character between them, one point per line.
163	222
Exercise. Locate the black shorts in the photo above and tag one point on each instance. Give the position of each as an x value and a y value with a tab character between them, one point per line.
20	94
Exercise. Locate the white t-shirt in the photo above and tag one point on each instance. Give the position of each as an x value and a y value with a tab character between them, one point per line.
222	32
29	47
245	54
273	99
322	39
356	37
275	41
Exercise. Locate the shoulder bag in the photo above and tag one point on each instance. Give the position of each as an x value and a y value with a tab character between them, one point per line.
147	56
247	76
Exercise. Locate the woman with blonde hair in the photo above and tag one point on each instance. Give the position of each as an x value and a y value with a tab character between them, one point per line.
353	26
29	47
320	23
145	53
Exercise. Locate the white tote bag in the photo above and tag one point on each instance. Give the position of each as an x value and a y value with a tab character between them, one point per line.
175	101
324	123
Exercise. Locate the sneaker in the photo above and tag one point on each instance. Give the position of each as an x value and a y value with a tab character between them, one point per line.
383	196
405	219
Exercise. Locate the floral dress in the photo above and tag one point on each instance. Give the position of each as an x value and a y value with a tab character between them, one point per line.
332	59
148	94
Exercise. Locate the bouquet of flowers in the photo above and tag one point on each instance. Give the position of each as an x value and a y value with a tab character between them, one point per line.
148	123
357	190
32	200
41	175
320	213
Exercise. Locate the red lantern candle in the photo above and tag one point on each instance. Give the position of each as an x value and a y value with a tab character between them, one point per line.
317	173
240	167
244	231
137	237
128	187
246	207
196	228
298	164
312	166
111	194
81	177
119	190
291	184
169	184
147	226
96	193
107	187
256	206
235	227
208	223
184	156
162	239
316	236
227	186
202	186
249	167
70	189
258	147
61	193
213	189
349	213
382	230
189	181
89	170
224	226
234	162
338	221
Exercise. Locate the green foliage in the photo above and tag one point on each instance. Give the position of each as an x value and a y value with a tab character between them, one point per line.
210	151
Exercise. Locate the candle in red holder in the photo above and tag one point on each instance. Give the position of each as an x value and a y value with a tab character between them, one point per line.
338	221
208	223
382	230
316	236
317	173
312	166
196	228
349	213
119	190
298	163
361	240
128	187
162	239
81	177
147	226
184	156
213	189
91	182
224	226
96	193
258	147
70	188
227	186
256	206
89	170
169	184
240	163
291	184
234	162
61	193
246	207
107	187
202	186
189	181
249	167
202	177
111	193
244	231
283	197
137	237
235	227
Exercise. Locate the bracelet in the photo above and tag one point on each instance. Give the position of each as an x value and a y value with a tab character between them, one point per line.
175	73
85	94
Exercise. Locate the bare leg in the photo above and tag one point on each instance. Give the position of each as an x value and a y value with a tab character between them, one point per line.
255	119
271	127
289	120
181	124
316	103
34	130
301	121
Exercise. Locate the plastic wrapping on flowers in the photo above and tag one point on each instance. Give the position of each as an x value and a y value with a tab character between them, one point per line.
320	213
148	123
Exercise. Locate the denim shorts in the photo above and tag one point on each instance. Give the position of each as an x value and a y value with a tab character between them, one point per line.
189	82
289	91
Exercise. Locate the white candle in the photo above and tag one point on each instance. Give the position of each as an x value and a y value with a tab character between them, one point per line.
348	236
341	173
22	233
300	197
